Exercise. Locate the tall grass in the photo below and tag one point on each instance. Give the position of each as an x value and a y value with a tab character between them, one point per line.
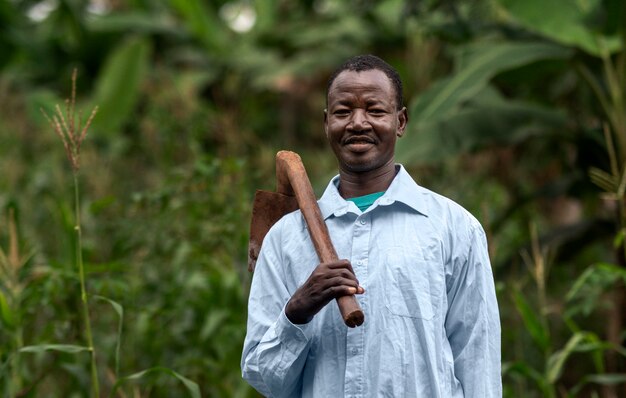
552	330
165	250
10	265
68	127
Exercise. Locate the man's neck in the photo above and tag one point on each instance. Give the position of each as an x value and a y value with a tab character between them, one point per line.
353	184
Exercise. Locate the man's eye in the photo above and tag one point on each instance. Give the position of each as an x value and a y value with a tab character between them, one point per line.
376	111
341	111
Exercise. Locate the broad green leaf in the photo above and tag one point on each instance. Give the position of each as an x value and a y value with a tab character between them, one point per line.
120	313
192	387
481	123
532	321
118	85
6	314
448	98
67	348
477	64
564	21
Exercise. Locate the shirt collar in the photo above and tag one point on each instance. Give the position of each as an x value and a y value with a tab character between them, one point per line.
403	189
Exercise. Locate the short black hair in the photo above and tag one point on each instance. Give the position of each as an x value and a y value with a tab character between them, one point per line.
366	62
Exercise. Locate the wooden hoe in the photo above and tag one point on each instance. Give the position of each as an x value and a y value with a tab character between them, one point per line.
293	191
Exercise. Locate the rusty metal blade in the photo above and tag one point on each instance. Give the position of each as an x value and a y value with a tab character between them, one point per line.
268	208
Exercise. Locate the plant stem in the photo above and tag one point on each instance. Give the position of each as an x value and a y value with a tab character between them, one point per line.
95	387
16	381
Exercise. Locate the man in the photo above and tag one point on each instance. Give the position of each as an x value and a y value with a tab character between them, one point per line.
418	264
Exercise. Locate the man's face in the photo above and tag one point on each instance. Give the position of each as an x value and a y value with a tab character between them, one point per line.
362	121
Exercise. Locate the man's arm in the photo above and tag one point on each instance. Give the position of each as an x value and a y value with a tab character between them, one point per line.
279	330
275	349
327	282
473	322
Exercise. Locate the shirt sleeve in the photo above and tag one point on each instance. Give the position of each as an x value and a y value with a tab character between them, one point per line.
473	322
275	350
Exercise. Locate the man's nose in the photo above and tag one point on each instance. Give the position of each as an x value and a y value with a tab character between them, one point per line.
359	120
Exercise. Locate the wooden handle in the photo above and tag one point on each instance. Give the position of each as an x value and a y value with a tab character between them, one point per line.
291	178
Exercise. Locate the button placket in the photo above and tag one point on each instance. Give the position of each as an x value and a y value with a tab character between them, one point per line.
355	339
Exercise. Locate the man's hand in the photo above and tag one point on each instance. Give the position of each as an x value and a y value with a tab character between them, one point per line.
327	282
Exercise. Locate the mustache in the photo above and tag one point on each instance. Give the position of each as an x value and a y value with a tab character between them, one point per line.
356	138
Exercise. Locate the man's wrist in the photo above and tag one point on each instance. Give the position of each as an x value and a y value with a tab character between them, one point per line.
294	315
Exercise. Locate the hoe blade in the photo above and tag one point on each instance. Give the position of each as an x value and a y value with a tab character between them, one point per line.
268	208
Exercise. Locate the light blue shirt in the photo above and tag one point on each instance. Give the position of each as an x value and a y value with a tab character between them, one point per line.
431	325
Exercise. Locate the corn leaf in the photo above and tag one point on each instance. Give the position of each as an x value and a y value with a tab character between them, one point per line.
192	387
67	348
555	364
533	323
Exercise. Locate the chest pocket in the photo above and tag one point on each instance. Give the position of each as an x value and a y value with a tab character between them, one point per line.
413	286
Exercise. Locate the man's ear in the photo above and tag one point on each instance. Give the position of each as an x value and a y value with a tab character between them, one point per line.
326	122
403	119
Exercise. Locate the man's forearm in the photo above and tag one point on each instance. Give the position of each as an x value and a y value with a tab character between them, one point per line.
273	364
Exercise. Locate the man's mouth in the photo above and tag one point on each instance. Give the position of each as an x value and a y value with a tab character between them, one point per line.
359	144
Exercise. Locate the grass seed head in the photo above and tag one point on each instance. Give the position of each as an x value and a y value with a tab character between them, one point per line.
68	128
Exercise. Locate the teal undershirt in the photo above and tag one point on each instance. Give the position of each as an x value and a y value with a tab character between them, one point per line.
364	202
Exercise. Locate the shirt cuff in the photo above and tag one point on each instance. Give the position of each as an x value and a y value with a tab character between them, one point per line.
292	335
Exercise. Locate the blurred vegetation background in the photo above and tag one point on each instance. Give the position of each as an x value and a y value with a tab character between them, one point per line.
517	111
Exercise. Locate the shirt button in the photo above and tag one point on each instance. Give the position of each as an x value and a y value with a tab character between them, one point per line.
363	222
355	351
359	262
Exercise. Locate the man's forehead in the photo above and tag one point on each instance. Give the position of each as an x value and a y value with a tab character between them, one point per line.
349	81
363	77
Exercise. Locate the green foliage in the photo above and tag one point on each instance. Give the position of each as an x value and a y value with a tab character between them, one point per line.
6	312
118	84
459	113
572	23
586	293
192	388
68	348
508	103
532	321
119	310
